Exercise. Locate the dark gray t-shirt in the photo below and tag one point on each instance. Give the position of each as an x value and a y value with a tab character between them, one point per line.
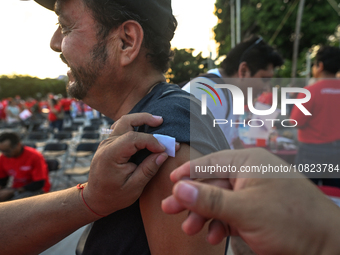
123	232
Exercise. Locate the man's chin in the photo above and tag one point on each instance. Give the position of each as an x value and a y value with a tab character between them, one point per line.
75	90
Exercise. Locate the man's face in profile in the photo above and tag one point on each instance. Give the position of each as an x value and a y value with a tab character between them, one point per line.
76	37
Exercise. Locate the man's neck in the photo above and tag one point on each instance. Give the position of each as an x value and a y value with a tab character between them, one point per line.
120	97
325	75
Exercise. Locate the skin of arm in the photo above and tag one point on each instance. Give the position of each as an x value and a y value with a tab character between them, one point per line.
38	222
164	231
53	215
290	216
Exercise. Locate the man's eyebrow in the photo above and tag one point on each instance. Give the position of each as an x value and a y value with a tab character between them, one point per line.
59	12
57	8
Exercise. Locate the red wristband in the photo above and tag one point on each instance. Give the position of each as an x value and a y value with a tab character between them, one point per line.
81	187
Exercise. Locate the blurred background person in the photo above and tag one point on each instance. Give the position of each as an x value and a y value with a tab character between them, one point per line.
2	111
12	111
55	116
25	165
252	58
319	133
66	102
88	111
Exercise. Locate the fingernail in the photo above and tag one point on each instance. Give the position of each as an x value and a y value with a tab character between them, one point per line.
161	158
186	192
177	144
157	117
162	145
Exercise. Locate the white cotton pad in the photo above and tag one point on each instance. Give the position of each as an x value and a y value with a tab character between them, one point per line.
169	143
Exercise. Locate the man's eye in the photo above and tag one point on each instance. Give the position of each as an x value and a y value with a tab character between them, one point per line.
64	30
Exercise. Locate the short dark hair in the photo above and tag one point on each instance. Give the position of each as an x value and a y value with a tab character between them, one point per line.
255	52
110	14
12	137
330	57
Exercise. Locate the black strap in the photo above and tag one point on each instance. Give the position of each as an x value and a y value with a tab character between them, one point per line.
219	80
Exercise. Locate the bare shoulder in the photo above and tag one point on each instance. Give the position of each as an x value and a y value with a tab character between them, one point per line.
163	231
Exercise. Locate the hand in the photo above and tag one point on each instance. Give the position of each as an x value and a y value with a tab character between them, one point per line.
6	194
114	183
273	216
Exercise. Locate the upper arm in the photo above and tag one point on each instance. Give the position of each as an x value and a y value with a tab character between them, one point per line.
163	231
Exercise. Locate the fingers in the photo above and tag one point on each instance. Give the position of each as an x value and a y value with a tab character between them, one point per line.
217	232
180	172
207	200
193	224
147	169
131	142
171	206
127	122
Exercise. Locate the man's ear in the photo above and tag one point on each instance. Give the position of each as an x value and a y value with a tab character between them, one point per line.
320	67
131	38
243	70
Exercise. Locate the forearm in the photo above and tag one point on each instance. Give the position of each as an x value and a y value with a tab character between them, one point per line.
47	219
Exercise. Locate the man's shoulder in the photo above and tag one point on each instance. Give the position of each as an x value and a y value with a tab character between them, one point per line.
164	97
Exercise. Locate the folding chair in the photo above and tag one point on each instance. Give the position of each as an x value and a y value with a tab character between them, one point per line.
53	168
98	122
13	127
89	137
56	151
108	121
91	128
81	161
39	138
77	124
73	129
64	137
30	144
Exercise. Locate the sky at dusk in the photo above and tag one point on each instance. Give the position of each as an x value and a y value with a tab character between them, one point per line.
26	30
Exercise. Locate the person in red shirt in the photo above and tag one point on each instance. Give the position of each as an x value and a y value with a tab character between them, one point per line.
266	97
56	121
2	111
66	104
25	165
319	133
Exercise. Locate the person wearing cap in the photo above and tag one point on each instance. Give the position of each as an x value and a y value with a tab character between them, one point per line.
118	51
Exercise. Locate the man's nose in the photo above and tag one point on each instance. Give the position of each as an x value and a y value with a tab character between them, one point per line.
56	40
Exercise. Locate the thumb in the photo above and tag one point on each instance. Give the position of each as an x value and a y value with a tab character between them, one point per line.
207	200
148	169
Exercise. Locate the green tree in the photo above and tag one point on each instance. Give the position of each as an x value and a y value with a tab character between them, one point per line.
185	66
275	22
26	86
